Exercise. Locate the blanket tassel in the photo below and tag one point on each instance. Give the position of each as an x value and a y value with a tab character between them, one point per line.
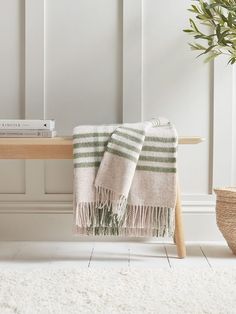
96	218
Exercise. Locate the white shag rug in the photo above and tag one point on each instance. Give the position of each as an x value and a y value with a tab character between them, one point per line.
74	290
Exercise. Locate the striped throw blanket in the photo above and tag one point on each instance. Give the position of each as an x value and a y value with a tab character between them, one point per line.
125	179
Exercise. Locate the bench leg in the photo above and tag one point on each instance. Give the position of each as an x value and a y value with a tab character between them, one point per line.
179	229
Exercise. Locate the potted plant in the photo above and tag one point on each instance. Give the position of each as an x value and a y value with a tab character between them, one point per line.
214	29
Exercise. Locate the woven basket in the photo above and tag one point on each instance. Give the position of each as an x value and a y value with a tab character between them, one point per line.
226	215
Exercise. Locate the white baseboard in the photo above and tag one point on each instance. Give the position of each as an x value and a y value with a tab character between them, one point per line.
53	222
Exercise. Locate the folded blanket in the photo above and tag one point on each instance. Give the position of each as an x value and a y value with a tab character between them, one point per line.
125	179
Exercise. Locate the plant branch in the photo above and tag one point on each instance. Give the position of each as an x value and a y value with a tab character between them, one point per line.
220	18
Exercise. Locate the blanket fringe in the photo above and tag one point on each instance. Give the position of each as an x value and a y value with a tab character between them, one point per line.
98	218
106	198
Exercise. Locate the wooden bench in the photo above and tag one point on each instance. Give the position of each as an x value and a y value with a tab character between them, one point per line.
62	148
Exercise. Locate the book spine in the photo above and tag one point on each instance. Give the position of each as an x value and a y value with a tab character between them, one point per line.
27	124
27	133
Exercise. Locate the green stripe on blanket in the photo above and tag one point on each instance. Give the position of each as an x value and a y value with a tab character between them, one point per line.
87	164
88	154
161	139
137	131
130	137
96	164
159	149
121	154
94	134
157	159
141	157
155	169
123	144
90	144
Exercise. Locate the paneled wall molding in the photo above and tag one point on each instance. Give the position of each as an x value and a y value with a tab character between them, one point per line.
223	123
187	199
34	59
132	60
199	199
57	206
40	207
34	86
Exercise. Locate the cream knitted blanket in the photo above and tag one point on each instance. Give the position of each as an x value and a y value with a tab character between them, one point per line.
125	179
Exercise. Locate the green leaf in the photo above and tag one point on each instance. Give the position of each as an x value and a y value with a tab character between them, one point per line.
195	8
207	50
193	25
197	46
230	20
210	48
218	31
206	9
188	31
231	60
224	19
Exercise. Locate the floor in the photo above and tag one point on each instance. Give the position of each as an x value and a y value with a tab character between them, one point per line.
112	254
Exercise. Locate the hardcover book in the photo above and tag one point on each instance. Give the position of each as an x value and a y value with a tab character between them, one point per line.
27	133
27	124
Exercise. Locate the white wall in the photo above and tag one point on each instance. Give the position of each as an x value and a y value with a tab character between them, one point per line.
89	61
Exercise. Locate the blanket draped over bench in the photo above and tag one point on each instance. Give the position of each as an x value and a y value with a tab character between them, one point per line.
125	179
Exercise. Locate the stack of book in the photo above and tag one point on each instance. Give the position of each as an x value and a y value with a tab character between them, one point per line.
27	128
